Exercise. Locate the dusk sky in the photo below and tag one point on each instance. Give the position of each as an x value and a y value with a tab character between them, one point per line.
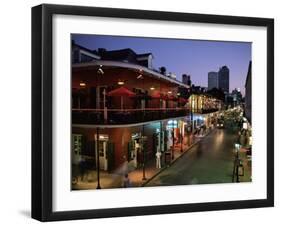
179	56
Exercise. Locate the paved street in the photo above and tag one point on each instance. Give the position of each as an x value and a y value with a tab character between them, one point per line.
209	161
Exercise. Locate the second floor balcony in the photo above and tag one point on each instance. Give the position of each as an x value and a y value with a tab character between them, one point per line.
205	111
125	116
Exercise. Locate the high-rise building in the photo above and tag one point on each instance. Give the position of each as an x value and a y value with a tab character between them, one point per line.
212	80
248	93
186	79
223	79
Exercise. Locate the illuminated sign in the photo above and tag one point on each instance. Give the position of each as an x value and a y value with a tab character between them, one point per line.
172	124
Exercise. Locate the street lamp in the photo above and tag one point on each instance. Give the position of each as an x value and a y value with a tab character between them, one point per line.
143	154
140	76
237	163
99	72
182	135
98	159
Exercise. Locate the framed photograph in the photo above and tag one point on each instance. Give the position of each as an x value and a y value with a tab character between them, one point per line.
145	112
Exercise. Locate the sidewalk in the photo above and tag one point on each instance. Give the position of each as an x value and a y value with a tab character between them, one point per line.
247	164
115	179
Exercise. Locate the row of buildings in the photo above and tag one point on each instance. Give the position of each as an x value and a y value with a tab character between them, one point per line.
123	110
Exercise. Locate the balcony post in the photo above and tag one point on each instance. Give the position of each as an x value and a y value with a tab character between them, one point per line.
161	135
173	140
98	160
181	136
143	155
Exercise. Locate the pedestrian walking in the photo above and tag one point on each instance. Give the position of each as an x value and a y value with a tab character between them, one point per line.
158	159
126	181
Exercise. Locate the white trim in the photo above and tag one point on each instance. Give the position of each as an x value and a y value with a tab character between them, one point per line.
89	54
125	125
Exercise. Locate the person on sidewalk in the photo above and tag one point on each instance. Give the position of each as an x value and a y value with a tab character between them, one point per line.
158	159
126	181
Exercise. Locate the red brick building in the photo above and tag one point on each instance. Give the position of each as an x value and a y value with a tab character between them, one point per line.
135	110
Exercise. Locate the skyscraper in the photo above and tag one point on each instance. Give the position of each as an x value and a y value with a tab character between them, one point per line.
212	80
223	79
186	79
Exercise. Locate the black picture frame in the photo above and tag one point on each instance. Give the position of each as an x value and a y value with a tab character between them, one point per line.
42	111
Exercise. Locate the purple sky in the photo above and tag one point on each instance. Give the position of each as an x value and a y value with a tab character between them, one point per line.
179	56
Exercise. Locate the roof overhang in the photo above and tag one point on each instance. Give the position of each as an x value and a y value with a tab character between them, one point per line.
141	69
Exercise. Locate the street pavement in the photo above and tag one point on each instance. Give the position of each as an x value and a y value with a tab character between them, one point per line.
209	161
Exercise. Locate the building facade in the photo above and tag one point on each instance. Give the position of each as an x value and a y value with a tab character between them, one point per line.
186	79
212	80
248	93
223	79
124	112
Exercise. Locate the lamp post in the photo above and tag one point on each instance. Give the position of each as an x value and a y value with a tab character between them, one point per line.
98	159
173	140
235	175
182	135
99	72
143	154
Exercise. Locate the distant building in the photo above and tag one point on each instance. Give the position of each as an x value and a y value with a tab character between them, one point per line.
237	96
248	93
223	79
81	54
234	98
186	79
212	80
127	56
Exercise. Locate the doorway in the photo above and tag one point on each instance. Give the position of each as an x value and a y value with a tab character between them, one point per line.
134	148
102	151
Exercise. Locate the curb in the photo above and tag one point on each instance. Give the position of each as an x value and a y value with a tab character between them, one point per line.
173	161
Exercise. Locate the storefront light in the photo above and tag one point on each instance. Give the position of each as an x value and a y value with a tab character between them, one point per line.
250	140
237	146
82	84
172	124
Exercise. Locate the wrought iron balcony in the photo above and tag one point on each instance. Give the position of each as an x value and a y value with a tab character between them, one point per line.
205	111
125	116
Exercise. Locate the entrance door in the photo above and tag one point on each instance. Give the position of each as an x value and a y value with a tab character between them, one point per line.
76	148
102	155
133	150
103	143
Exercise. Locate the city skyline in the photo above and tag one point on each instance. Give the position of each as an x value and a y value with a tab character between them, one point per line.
193	57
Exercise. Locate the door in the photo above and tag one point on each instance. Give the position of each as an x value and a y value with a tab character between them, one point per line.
103	154
102	151
133	147
76	148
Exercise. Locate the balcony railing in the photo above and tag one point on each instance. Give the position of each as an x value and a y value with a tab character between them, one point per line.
125	116
205	111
